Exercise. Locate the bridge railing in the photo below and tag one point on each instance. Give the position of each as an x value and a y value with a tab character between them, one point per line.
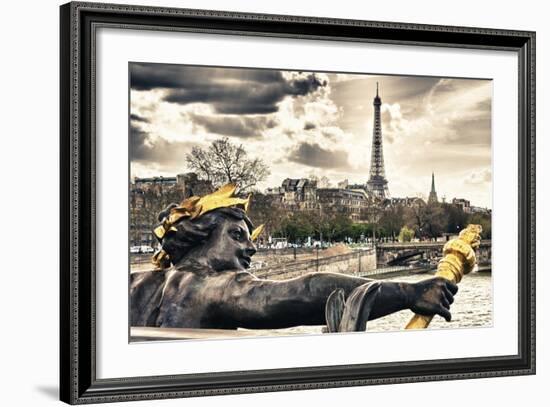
411	245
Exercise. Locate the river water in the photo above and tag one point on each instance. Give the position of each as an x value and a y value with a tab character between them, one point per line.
473	307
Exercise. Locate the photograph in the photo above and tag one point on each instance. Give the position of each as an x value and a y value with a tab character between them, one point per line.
277	202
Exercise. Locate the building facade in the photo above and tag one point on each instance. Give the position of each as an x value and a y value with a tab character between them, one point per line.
299	194
302	194
352	203
149	196
464	204
408	202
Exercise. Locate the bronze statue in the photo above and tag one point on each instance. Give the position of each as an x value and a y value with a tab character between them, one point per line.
207	244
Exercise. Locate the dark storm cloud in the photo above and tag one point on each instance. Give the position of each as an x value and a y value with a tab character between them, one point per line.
152	76
314	155
228	90
234	126
243	97
138	140
146	150
230	99
137	118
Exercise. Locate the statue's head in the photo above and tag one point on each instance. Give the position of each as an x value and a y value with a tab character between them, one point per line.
212	230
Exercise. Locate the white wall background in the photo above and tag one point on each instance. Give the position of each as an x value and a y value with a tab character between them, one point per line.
29	161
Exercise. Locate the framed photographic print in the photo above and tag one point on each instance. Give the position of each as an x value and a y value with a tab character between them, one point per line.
248	201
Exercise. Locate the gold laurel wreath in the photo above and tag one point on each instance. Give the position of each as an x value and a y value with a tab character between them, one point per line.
193	208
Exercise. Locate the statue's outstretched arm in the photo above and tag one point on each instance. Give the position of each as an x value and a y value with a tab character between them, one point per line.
250	302
257	303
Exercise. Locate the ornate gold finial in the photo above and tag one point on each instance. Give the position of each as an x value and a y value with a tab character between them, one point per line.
194	207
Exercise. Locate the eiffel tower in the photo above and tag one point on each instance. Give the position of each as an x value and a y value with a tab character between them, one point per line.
377	183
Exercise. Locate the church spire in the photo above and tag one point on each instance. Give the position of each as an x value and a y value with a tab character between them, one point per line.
433	195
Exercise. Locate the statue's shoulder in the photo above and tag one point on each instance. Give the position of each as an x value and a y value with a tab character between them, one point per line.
196	271
146	277
191	266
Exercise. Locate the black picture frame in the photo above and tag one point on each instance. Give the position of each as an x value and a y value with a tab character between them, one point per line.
78	382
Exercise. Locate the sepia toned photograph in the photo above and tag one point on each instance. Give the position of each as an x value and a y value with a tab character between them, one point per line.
268	202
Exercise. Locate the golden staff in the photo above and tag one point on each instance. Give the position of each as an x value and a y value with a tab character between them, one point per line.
458	259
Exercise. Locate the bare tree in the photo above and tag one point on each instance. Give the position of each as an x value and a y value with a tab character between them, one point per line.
427	220
224	162
373	212
322	182
266	210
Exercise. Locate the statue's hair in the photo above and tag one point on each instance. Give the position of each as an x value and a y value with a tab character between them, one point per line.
191	233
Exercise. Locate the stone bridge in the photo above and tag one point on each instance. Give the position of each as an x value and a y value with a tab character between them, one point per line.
356	262
391	253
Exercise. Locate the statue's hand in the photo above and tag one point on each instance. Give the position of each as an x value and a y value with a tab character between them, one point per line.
433	296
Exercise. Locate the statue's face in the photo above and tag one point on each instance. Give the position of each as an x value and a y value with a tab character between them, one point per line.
229	246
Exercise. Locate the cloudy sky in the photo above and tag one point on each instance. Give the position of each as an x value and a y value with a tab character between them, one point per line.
303	123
